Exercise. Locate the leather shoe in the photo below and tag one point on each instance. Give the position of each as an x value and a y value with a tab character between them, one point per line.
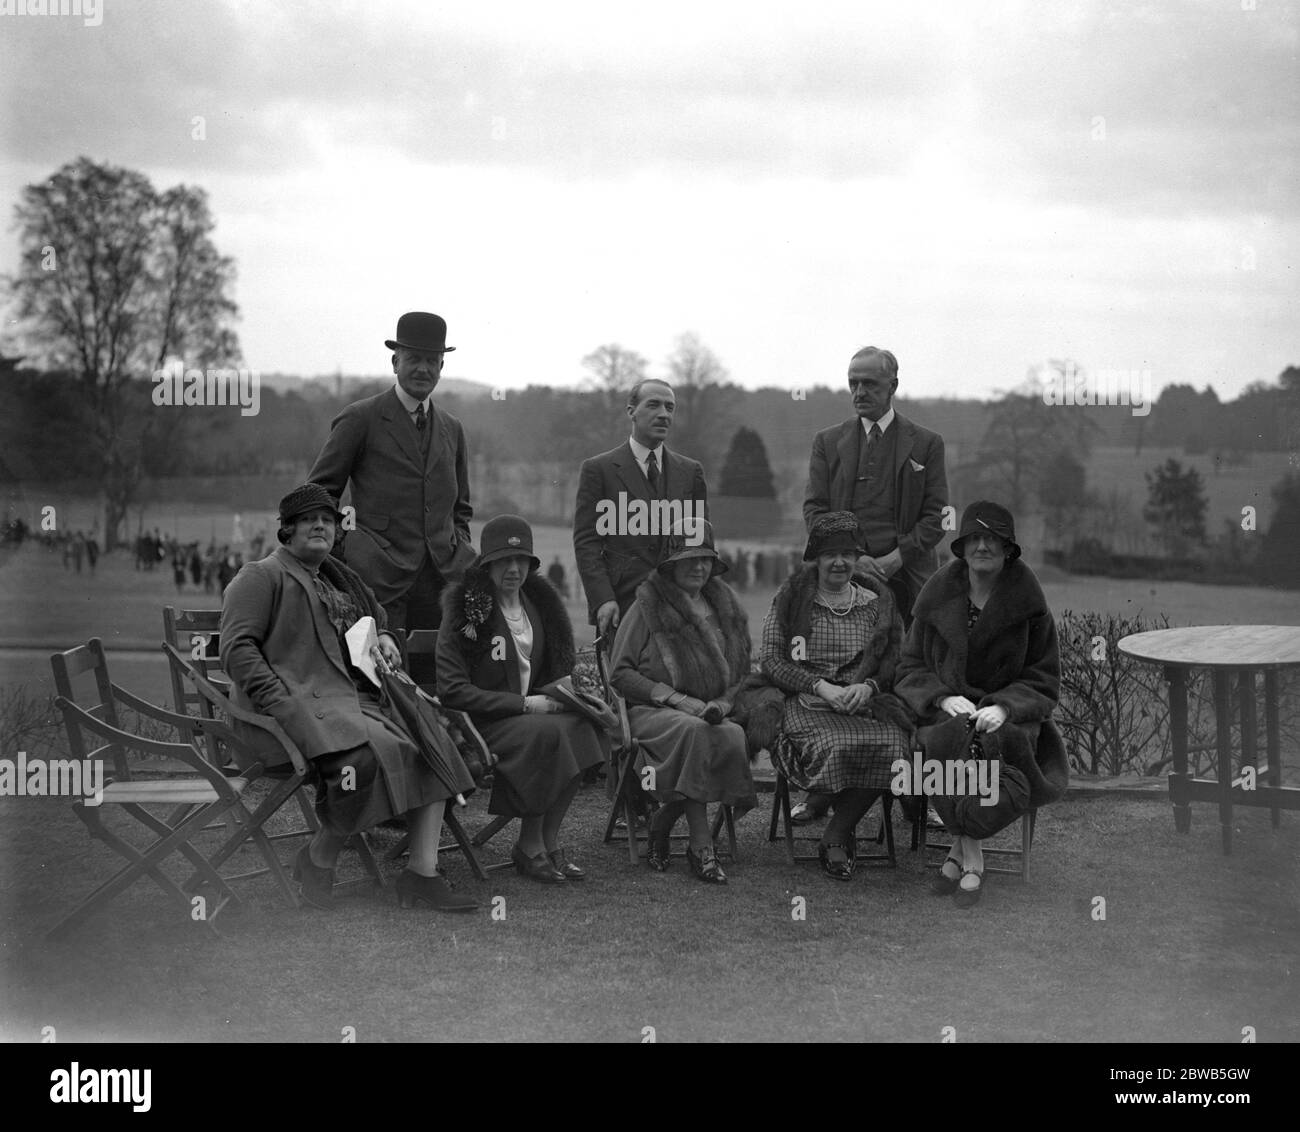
435	891
969	897
564	866
837	870
660	850
316	884
942	885
537	868
706	866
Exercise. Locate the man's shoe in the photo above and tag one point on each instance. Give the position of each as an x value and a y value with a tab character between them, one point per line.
435	891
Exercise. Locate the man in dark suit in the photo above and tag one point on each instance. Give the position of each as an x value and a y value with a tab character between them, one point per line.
889	472
627	500
407	464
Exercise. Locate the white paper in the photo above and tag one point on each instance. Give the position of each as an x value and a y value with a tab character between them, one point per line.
361	638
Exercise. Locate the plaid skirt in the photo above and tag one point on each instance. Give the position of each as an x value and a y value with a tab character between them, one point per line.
822	750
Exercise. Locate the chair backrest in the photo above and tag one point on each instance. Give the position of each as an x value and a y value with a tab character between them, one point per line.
611	695
421	664
68	666
195	633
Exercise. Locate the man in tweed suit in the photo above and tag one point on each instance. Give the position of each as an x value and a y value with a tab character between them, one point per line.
615	556
406	461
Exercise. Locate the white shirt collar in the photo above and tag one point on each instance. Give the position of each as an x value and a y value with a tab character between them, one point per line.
409	403
641	453
885	421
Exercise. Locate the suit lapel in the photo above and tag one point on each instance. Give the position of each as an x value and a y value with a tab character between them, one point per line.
630	474
399	428
439	439
906	437
848	447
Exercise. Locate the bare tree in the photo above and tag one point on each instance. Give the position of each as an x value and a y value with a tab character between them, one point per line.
705	416
113	280
615	369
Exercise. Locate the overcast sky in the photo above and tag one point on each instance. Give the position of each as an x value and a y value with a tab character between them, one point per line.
976	186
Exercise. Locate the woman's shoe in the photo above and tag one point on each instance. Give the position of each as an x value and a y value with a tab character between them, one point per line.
435	891
660	850
564	866
706	866
969	897
942	885
314	882
836	870
537	868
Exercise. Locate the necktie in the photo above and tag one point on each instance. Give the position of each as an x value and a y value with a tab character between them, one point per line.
422	426
652	474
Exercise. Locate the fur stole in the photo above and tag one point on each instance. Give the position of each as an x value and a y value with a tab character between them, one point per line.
694	657
470	604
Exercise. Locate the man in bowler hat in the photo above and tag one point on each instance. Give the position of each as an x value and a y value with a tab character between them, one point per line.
406	461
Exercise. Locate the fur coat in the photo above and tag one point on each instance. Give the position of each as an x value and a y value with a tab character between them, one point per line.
681	650
760	705
476	676
1011	658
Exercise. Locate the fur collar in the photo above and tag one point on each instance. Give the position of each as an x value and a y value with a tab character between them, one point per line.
694	657
1017	597
471	603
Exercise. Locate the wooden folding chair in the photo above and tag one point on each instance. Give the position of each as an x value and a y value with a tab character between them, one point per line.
285	780
195	647
421	648
781	823
193	801
629	799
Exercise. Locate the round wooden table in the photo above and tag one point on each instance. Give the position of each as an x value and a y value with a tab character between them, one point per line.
1236	654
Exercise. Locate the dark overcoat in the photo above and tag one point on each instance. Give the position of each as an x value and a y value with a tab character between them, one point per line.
407	505
1010	658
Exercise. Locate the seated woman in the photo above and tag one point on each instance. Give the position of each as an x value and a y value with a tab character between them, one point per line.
282	623
983	646
681	654
831	644
505	634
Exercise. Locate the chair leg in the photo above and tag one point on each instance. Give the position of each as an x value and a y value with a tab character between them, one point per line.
783	787
452	822
731	831
489	831
203	867
887	825
1026	841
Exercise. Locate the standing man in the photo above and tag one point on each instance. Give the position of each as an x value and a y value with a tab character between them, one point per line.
889	472
406	461
615	552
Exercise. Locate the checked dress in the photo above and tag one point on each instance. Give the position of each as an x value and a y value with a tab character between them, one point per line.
819	748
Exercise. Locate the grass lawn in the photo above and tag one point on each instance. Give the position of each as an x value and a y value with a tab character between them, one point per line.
1194	946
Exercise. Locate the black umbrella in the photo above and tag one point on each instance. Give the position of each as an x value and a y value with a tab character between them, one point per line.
423	718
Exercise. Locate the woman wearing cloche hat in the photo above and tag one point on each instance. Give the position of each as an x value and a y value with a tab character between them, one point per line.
982	671
506	635
681	654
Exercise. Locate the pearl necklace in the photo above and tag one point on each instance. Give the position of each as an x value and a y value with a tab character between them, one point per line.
515	618
825	595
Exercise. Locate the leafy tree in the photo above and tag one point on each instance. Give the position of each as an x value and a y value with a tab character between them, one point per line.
115	279
746	471
1176	506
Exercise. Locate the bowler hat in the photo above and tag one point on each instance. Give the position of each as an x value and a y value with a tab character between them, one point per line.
985	516
302	499
692	538
419	330
506	535
835	530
